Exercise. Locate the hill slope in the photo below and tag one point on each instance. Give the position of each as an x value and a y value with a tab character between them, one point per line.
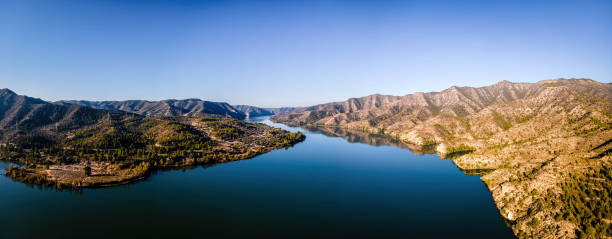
535	143
22	115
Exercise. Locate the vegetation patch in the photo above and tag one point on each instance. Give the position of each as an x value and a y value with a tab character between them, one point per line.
501	121
587	202
224	131
458	151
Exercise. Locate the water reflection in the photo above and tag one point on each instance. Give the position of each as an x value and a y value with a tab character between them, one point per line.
352	136
324	187
355	136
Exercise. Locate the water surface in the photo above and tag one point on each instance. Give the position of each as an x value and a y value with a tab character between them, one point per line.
324	187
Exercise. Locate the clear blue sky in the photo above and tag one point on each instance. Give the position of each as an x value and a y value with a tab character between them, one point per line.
293	53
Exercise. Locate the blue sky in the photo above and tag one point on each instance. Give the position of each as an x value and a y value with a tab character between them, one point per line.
293	53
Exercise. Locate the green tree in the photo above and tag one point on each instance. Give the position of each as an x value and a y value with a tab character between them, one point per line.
87	170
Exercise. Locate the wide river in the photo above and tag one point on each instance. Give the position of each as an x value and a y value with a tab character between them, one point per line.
352	186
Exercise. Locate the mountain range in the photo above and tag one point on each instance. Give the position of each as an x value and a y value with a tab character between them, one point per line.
186	107
400	115
543	149
48	120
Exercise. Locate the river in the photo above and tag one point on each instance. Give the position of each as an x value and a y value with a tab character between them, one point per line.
353	186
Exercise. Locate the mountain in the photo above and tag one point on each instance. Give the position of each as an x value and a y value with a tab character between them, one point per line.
412	118
543	149
22	115
73	146
282	110
252	111
398	114
187	107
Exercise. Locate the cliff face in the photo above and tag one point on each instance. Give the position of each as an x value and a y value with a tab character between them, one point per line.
529	137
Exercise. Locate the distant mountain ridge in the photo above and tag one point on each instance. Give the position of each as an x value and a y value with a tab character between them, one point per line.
186	107
282	110
252	111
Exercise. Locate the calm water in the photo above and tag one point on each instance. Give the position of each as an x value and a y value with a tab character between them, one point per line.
325	187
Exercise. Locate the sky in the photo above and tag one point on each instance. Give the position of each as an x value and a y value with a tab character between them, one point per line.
293	53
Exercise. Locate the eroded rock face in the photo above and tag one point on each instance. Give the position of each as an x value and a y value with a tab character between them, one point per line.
528	137
442	149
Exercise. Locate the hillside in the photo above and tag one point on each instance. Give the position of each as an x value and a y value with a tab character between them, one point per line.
77	146
23	116
543	148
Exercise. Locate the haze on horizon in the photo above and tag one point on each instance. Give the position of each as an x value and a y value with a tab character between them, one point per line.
293	53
